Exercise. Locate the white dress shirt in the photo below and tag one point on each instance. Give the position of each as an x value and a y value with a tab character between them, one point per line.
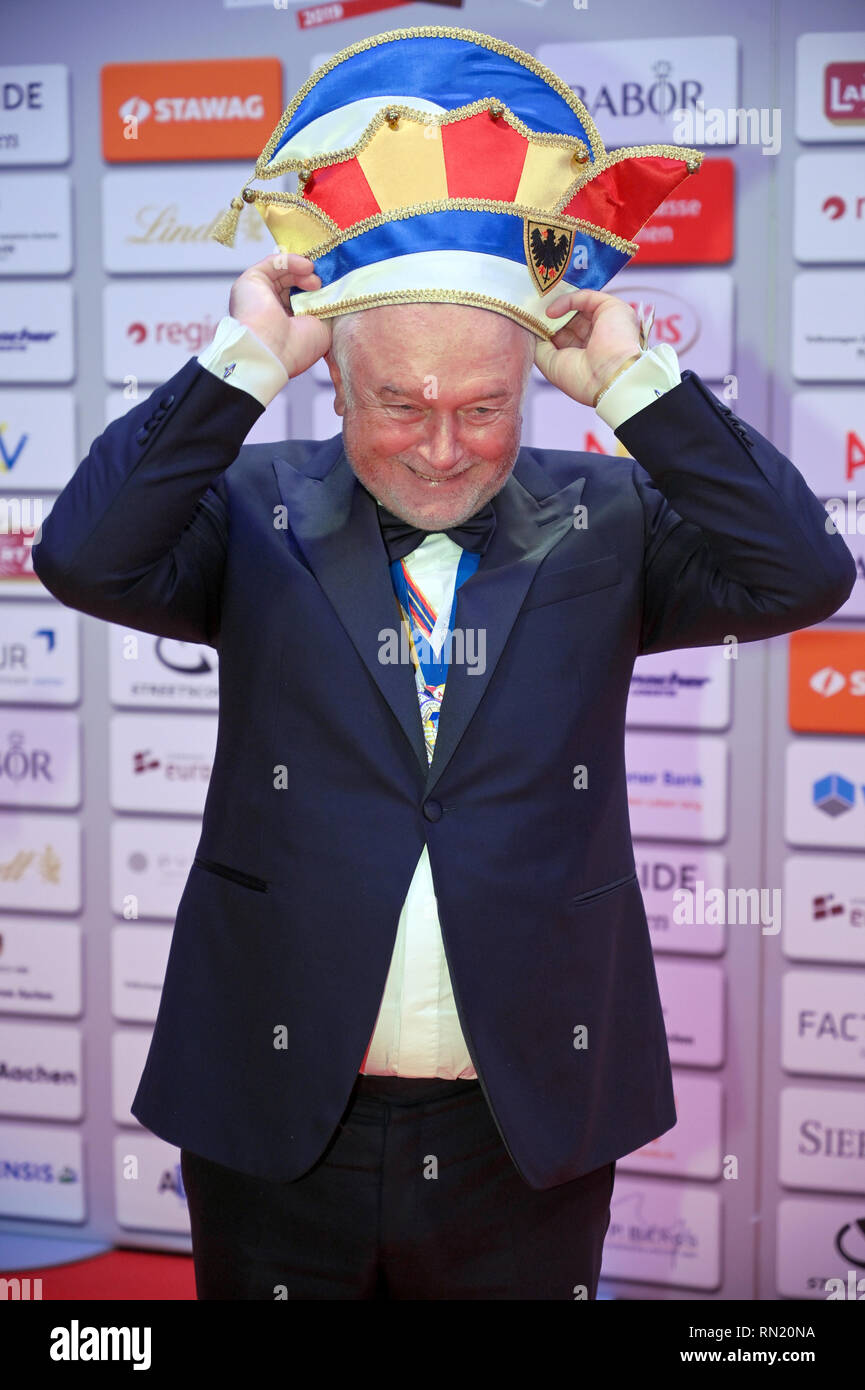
417	1032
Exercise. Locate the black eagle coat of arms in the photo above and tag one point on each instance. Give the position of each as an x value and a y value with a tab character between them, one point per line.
548	251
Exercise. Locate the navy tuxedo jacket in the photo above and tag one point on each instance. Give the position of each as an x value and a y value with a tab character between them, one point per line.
273	555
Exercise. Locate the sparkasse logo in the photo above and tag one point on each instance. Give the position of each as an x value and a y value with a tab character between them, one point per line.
827	681
208	109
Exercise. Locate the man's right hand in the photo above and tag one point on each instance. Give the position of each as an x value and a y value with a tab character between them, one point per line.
260	301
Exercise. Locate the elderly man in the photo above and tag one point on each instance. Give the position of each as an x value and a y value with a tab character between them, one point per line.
410	1018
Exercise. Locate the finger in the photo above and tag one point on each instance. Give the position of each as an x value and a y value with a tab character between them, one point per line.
563	303
284	260
309	280
575	333
586	302
285	267
285	282
565	338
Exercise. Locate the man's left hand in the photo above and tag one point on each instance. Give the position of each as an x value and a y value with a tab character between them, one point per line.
582	357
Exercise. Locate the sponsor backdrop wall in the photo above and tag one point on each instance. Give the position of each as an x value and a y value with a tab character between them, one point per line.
121	140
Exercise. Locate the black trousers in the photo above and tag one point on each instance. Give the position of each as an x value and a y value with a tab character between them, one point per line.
415	1197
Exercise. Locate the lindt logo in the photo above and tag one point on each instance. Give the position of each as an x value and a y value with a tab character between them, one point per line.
844	93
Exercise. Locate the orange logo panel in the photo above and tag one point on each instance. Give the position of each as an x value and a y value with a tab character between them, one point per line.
209	109
827	681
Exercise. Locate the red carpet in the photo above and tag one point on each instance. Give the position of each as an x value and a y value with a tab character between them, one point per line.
116	1275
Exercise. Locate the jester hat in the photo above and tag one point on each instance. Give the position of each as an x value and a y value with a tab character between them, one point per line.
438	164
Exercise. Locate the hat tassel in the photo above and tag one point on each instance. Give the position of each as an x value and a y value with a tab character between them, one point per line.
225	229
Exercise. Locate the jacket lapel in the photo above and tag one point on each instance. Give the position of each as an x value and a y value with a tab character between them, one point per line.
335	522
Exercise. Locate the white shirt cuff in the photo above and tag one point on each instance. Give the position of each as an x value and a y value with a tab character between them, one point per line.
238	356
656	371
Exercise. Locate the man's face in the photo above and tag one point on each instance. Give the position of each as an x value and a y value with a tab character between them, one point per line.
431	416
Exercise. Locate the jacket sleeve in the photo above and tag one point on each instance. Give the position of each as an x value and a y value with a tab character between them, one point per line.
138	535
735	543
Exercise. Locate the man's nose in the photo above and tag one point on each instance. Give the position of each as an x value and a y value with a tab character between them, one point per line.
441	448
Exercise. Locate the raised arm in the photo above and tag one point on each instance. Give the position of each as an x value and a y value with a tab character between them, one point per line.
736	543
139	533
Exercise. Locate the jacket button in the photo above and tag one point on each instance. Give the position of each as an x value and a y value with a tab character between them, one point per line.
166	401
432	810
142	435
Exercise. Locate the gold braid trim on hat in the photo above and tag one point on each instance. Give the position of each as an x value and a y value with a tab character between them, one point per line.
226	227
693	159
303	205
427	118
479	301
522	210
426	31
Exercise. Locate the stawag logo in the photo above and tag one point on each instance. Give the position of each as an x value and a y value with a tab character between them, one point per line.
207	109
214	108
76	1343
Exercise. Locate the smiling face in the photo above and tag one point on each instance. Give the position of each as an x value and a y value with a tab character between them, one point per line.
431	397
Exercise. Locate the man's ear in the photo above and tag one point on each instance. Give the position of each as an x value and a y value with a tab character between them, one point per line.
336	378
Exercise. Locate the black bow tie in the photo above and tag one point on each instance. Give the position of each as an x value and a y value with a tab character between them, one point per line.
400	537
